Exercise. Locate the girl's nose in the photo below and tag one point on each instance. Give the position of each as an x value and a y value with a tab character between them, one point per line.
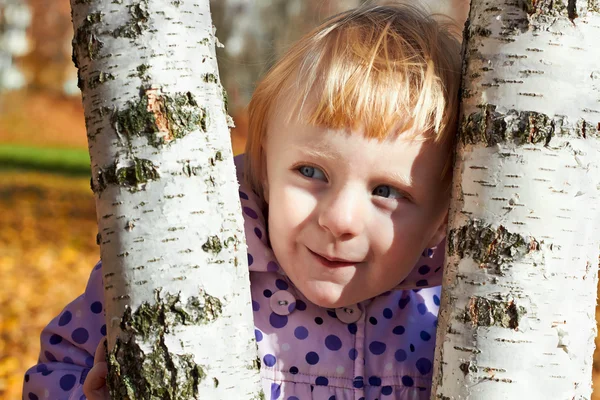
342	213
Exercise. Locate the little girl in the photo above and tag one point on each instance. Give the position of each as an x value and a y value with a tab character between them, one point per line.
344	189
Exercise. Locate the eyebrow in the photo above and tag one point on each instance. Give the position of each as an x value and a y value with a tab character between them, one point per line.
322	152
404	179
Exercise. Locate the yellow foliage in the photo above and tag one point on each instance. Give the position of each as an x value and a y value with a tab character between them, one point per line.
47	250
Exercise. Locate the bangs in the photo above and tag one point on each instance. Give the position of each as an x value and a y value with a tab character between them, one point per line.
376	78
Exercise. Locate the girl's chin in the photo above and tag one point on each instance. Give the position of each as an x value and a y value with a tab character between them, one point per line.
326	295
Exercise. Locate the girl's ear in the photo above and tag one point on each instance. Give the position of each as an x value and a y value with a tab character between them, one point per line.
440	233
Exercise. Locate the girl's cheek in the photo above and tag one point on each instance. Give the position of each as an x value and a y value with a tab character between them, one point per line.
389	231
301	200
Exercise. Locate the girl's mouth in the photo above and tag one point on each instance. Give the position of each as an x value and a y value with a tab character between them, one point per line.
332	262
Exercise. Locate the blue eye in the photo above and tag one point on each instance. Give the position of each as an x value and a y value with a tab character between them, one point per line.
312	172
387	192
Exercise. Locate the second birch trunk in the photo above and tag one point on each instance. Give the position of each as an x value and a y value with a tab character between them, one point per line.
519	290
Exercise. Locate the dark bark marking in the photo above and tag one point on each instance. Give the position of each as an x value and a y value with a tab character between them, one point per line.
504	313
493	249
137	24
468	366
213	245
97	80
135	375
160	117
131	177
86	39
490	127
544	7
572	9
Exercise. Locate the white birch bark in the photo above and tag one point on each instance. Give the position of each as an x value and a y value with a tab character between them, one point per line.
171	234
519	290
15	18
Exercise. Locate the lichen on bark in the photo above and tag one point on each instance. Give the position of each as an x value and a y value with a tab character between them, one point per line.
138	22
492	248
545	10
160	117
544	7
490	127
99	79
86	38
137	374
503	312
140	172
213	245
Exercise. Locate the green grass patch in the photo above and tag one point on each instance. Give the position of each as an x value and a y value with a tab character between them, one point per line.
65	161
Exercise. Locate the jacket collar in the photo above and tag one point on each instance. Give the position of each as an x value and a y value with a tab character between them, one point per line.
427	272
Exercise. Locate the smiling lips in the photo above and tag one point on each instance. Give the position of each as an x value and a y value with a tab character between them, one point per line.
332	262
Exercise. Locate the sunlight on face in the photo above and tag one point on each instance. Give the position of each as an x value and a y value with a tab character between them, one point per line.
350	216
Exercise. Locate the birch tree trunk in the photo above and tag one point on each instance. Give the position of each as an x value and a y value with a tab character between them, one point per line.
15	18
171	234
517	313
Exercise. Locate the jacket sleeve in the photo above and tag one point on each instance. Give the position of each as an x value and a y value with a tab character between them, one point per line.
67	346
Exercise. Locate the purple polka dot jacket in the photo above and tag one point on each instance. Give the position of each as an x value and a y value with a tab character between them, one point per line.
381	348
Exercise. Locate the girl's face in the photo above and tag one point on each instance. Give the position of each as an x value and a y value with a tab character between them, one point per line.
350	216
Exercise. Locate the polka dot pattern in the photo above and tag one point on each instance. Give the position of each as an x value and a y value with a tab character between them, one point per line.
250	212
65	318
386	390
399	330
312	358
269	360
96	307
301	333
313	352
67	382
377	347
55	339
321	381
333	343
50	356
80	335
278	321
300	305
424	366
407	381
275	391
281	284
400	355
403	302
375	381
353	354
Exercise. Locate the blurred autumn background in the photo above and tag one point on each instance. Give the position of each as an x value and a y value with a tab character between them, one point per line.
47	215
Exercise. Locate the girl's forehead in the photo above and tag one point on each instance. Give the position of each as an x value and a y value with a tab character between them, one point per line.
285	114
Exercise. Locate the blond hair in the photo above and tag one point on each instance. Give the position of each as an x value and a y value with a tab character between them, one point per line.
388	69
